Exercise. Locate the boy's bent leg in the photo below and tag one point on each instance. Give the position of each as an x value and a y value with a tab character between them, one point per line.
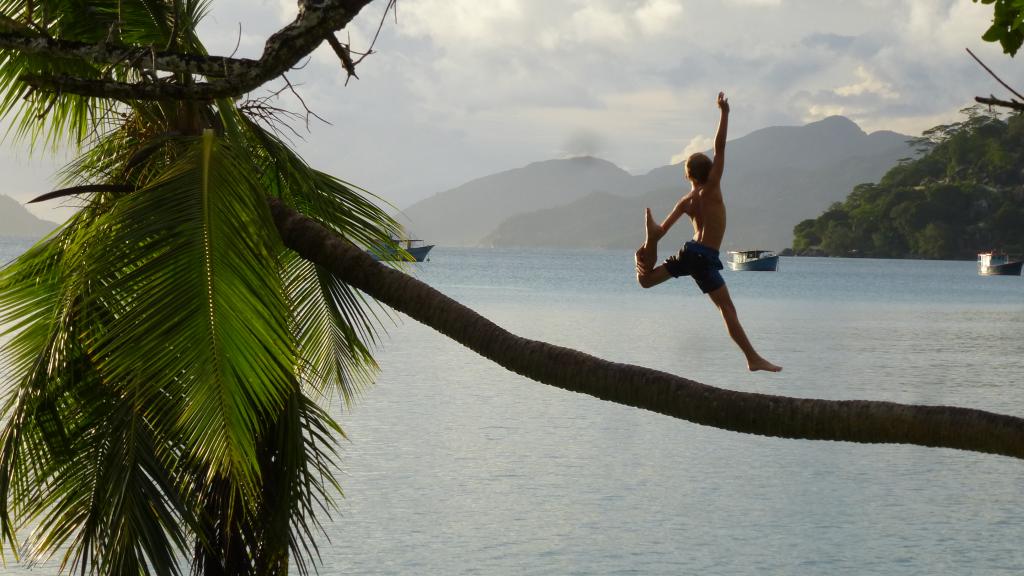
720	296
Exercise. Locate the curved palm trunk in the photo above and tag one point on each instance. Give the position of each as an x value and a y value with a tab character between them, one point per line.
811	419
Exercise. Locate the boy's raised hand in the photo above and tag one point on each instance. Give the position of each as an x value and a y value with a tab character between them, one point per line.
723	102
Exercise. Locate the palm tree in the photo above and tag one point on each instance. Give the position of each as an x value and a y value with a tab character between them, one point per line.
171	346
168	357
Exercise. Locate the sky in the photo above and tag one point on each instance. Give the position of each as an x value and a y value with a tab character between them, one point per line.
460	89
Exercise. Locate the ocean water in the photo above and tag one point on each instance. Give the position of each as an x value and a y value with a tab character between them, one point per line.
456	466
453	465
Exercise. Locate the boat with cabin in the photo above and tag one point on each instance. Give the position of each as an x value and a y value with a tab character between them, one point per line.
754	260
998	264
415	248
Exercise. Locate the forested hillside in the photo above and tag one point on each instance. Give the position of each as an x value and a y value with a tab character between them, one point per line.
964	195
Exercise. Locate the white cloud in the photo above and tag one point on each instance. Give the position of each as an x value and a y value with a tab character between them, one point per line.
463	24
770	3
658	16
819	111
932	26
648	112
869	84
699	143
596	23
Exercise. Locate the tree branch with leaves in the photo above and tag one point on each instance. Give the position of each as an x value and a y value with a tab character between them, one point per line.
225	77
1008	30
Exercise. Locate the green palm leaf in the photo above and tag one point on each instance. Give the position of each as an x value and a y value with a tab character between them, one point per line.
202	312
343	207
59	118
77	460
333	355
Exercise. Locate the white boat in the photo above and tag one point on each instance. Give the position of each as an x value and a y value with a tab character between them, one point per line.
998	264
754	260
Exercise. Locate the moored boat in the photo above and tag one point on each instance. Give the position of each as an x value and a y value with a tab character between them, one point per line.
415	248
418	253
754	260
998	264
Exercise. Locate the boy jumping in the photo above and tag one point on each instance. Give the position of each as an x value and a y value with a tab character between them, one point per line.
699	257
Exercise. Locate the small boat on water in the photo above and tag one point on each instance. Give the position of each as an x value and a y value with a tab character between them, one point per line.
754	260
415	248
998	264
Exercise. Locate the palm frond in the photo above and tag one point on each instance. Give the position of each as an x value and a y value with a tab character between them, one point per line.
328	316
198	306
76	457
54	118
110	498
46	117
337	323
345	208
298	453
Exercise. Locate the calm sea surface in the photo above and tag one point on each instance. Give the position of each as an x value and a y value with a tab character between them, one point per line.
454	465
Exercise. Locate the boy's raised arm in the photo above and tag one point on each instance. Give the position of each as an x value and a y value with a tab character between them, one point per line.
718	164
678	210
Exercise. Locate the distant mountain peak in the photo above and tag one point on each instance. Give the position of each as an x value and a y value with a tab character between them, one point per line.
587	159
575	161
887	134
777	177
15	220
836	123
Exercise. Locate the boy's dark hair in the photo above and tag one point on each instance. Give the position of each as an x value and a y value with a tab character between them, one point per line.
698	166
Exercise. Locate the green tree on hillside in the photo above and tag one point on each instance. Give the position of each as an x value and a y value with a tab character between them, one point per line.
957	199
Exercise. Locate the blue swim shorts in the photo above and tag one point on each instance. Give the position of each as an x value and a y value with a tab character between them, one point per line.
697	260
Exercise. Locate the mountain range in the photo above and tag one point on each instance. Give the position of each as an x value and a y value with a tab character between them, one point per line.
16	221
775	178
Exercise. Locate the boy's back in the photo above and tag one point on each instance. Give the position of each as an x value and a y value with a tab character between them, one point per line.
707	214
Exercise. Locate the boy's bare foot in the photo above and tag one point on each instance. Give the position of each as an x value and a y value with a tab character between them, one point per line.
652	231
647	255
762	364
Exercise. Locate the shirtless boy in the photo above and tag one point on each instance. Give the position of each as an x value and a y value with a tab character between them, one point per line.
699	257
